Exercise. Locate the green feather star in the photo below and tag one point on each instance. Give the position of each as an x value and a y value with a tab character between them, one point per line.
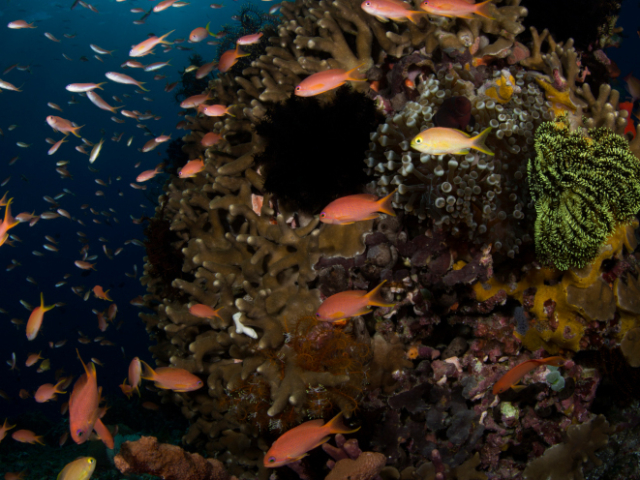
583	187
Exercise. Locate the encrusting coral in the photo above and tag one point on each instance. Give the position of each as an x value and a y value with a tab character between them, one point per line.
417	376
583	186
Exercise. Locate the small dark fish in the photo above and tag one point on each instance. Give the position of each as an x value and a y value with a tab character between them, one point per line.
455	112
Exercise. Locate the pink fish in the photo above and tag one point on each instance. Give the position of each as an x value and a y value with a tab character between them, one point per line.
457	8
295	444
35	319
124	79
215	110
250	39
229	58
327	80
199	34
149	174
210	139
62	125
395	10
192	168
144	48
350	303
356	208
16	24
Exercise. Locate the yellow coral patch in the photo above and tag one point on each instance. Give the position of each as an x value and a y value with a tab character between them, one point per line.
575	297
560	100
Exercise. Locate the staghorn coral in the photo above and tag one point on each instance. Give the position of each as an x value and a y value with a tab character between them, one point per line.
582	186
473	197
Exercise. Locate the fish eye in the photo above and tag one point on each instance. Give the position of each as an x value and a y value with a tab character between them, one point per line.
272	459
298	88
79	433
318	314
322	215
419	140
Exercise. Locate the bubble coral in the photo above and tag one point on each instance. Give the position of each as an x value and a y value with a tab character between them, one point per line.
472	197
583	186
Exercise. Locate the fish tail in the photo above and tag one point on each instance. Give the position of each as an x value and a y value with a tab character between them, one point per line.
140	85
350	74
375	299
384	204
42	305
477	142
98	85
335	425
554	361
415	17
147	372
90	371
39	440
484	10
58	384
73	130
228	112
240	53
207	29
162	38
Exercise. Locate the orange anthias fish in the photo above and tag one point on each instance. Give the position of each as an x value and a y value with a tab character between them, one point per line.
229	58
203	311
326	80
83	408
395	10
457	8
27	436
356	208
101	294
170	378
513	376
135	374
48	391
63	125
144	48
293	445
4	429
8	223
35	319
192	168
350	303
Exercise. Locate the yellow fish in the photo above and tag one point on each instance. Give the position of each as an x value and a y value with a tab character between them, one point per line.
80	469
441	140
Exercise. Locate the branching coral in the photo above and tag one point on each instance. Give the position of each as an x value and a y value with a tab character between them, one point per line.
582	186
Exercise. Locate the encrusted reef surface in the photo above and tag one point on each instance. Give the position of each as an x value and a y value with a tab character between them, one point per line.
478	286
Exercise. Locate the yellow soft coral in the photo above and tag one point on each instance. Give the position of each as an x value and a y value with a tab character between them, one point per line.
564	302
502	88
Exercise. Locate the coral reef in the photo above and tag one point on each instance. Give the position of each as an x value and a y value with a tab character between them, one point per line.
583	186
418	376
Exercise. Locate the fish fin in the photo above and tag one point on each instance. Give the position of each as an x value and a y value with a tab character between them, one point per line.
384	204
484	10
461	152
103	433
517	388
207	29
384	20
478	141
554	361
145	89
165	36
147	372
374	298
98	85
295	459
349	74
416	16
335	425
